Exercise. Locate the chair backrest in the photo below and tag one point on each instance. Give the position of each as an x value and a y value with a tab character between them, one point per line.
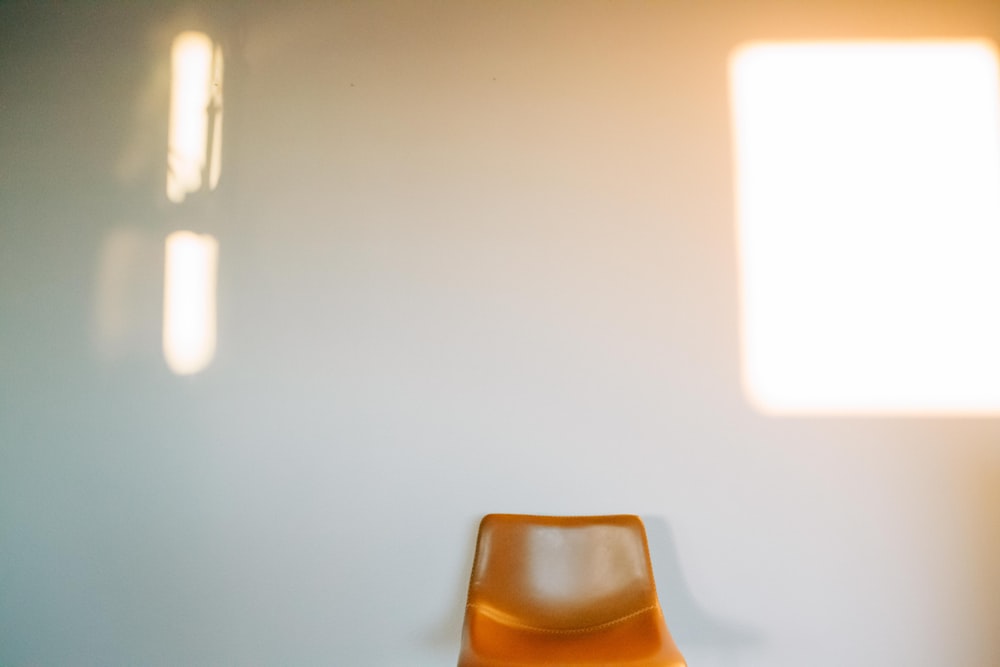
561	573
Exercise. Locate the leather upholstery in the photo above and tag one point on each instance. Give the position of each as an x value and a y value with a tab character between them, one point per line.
564	591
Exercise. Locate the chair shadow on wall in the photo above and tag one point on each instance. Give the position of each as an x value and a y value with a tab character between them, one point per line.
447	632
693	628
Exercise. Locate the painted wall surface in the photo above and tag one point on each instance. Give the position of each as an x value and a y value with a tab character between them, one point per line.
474	257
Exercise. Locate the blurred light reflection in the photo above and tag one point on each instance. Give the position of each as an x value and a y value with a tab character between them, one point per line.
868	205
194	140
126	309
189	309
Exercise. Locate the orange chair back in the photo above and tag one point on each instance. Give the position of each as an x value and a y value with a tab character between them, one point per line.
564	591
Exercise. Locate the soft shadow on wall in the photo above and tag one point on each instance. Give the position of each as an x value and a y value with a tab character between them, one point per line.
445	632
695	629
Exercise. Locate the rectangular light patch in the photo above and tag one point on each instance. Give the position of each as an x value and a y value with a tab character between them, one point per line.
189	301
868	212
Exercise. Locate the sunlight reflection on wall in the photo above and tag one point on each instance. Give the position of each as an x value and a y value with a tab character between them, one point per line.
189	327
868	197
126	307
194	143
194	164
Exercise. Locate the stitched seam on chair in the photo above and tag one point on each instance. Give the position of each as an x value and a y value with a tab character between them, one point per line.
523	626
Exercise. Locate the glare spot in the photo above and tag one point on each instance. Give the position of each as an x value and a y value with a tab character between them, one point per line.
189	311
194	142
868	212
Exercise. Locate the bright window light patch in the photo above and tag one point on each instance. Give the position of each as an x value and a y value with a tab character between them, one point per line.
194	136
189	311
868	209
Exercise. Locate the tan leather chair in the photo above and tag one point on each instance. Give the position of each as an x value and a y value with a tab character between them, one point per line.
564	591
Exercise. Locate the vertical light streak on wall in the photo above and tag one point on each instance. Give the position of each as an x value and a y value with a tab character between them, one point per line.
215	119
194	139
189	310
868	206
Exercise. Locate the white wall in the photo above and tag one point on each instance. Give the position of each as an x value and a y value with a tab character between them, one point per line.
475	257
